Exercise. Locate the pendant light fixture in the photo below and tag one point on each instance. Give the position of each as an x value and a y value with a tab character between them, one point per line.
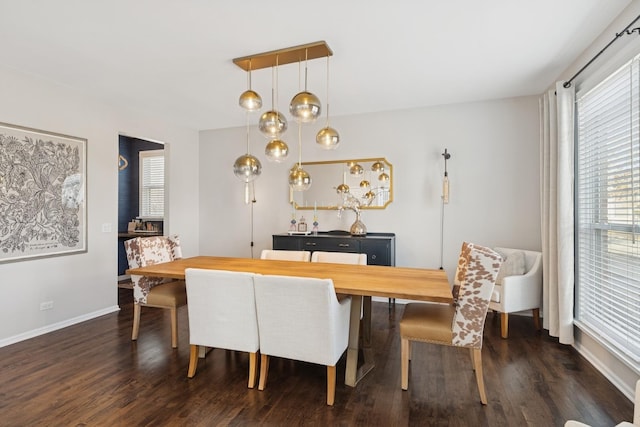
249	99
273	123
299	179
327	137
276	150
305	107
247	167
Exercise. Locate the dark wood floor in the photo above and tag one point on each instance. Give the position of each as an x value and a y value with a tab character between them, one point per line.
93	374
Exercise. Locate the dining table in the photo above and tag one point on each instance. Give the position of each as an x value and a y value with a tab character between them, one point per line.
358	281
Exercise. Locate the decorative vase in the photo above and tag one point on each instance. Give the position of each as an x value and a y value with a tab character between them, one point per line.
358	228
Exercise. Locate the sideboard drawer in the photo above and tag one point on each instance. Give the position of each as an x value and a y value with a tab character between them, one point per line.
287	243
330	245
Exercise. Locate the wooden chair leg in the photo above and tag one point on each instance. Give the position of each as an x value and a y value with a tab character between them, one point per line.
504	324
136	321
174	327
193	361
331	384
477	359
253	371
473	359
536	318
264	369
404	362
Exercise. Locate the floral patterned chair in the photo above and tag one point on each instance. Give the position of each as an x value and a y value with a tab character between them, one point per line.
155	291
460	324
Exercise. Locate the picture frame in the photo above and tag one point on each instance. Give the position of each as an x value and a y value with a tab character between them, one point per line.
43	194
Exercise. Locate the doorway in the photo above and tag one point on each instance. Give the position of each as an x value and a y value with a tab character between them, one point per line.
140	190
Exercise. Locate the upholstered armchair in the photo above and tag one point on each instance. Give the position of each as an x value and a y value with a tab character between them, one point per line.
636	414
518	286
155	291
301	319
460	324
285	255
222	314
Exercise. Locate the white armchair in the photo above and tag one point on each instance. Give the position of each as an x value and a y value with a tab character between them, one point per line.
518	287
636	414
301	319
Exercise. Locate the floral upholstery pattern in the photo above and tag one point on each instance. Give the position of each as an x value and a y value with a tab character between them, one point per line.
143	251
475	293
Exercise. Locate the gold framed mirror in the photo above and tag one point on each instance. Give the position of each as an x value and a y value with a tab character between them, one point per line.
369	180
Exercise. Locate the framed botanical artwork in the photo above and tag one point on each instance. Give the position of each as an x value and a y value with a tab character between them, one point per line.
43	194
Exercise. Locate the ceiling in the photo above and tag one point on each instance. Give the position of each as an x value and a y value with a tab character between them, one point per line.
173	59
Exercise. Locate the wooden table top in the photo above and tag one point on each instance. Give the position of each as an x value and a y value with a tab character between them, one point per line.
367	280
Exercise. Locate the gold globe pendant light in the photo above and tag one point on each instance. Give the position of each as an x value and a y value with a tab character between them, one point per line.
249	99
327	137
299	179
276	150
247	167
305	107
273	123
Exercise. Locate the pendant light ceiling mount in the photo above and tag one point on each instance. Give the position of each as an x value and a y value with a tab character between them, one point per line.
284	56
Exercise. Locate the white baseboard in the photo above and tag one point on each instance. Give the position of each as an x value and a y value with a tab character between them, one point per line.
616	371
55	326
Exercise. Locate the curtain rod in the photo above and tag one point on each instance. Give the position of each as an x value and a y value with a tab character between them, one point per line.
618	35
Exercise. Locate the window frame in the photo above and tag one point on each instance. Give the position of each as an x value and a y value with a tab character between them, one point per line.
607	211
143	156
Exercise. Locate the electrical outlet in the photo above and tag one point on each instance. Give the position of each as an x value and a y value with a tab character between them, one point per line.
106	227
47	305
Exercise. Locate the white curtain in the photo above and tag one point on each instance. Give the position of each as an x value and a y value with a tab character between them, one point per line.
556	185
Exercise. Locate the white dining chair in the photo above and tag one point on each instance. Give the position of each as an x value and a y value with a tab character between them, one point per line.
301	318
339	257
283	255
222	314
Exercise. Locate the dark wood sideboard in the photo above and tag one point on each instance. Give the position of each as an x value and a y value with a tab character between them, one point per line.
379	247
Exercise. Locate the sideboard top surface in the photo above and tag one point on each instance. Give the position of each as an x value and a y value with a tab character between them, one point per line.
341	234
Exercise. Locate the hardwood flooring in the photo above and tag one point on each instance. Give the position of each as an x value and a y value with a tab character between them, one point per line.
93	374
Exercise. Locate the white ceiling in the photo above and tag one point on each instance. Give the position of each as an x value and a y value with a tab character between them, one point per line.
173	59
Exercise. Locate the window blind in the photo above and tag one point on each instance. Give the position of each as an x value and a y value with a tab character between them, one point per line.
608	210
152	184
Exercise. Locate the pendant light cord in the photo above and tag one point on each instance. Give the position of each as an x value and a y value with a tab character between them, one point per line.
327	91
299	145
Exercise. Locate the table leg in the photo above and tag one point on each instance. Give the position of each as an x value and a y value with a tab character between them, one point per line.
353	374
203	350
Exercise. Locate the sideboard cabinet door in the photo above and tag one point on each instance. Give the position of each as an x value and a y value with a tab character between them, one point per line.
379	251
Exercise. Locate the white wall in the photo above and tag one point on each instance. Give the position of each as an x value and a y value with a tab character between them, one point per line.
494	174
84	285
